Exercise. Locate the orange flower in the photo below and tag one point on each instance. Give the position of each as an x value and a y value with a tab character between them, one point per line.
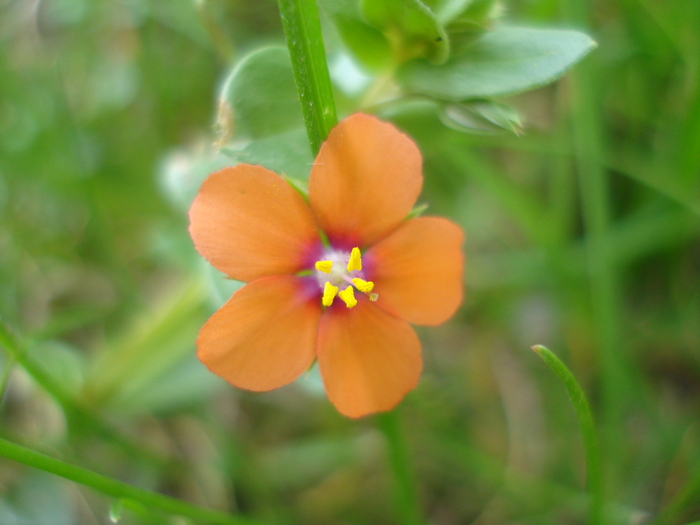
346	299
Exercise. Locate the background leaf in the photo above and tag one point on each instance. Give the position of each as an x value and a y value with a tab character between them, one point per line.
261	95
411	25
365	42
287	153
502	62
266	124
481	116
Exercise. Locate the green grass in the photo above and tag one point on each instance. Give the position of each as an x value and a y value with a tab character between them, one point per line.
581	235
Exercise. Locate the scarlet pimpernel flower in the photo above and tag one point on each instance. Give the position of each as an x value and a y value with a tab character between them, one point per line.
336	279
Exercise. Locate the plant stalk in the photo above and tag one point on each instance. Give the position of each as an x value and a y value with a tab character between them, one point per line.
116	488
302	28
594	479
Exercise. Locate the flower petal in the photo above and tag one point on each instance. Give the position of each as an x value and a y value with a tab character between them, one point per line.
365	180
248	223
417	270
265	335
368	358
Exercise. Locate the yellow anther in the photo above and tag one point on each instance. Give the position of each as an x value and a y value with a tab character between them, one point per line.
324	266
373	297
329	293
355	261
348	297
362	285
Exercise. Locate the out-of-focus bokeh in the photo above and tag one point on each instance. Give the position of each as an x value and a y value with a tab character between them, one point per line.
582	234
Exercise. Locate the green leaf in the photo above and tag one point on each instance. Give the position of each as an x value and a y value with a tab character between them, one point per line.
259	98
365	42
476	18
502	62
481	117
448	10
411	26
267	126
467	12
286	153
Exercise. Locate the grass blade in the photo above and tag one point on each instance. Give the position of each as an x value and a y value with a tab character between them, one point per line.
585	420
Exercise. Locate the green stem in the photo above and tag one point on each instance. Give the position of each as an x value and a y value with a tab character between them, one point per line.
405	484
115	488
16	351
302	28
585	421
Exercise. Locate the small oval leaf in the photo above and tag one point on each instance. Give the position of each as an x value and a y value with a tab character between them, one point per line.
502	62
261	96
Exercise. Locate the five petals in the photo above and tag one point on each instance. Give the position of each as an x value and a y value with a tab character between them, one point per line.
249	223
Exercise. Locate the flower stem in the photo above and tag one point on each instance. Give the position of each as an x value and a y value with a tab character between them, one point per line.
405	484
116	488
302	28
585	421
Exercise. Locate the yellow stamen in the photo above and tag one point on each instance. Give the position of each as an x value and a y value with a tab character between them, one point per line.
348	297
355	261
373	297
324	266
362	285
329	293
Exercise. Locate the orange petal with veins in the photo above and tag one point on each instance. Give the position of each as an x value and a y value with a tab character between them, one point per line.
368	358
417	270
264	337
248	222
365	180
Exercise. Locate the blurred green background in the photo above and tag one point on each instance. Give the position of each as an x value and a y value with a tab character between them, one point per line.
582	234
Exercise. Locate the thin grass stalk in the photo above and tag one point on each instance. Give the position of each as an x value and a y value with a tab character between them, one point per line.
116	488
585	420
